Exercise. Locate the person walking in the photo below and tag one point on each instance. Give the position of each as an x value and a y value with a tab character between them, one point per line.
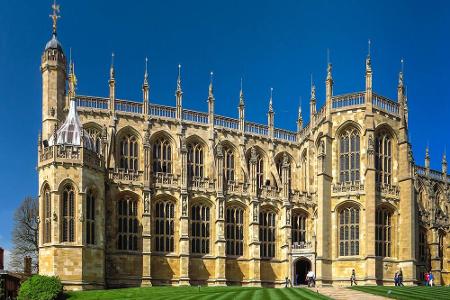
430	278
427	278
396	279
400	278
353	278
310	278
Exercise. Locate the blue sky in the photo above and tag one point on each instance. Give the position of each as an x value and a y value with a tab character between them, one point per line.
269	43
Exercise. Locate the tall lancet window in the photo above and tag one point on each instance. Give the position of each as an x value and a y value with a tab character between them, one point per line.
129	150
47	215
200	229
127	238
349	156
195	160
90	218
68	214
383	233
162	156
298	227
164	230
228	163
234	231
349	231
267	233
383	158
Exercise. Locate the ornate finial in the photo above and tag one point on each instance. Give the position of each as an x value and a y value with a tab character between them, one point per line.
54	16
270	100
329	69
313	89
179	78
72	80
300	109
427	152
444	157
368	60
210	90
111	70
241	95
400	75
146	72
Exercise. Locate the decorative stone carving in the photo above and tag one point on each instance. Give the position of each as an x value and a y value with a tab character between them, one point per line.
52	111
146	204
219	150
184	206
255	212
253	155
55	216
288	216
221	204
81	218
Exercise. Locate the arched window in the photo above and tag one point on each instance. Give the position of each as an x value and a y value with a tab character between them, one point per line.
200	229
128	224
162	156
298	228
68	214
47	215
349	156
129	153
228	164
383	158
195	160
234	231
267	234
96	137
383	235
422	245
90	218
164	229
349	231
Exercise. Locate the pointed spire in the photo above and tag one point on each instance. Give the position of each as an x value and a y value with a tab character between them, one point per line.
146	72
241	95
427	157
111	69
179	79
270	100
72	77
210	90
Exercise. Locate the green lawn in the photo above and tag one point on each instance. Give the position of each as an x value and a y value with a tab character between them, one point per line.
408	292
188	293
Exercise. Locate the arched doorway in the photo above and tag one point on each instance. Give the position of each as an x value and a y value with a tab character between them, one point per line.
301	268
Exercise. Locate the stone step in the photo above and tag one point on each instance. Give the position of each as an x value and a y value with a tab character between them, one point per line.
341	293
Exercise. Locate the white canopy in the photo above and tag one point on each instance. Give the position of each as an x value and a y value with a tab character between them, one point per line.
71	131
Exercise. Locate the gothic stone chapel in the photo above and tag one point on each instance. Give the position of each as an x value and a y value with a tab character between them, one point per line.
139	194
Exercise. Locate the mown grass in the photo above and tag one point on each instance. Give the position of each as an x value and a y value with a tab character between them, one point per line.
407	292
204	293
